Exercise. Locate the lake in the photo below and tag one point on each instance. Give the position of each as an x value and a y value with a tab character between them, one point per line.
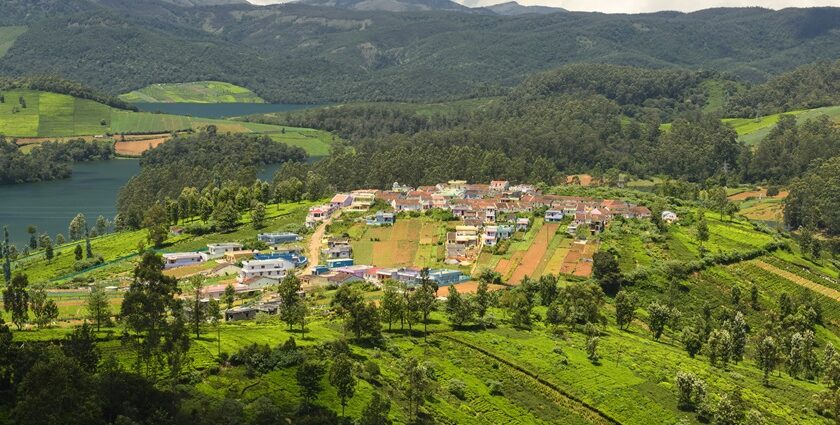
92	190
218	110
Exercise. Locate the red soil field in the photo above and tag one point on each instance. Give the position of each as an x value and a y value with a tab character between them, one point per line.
535	253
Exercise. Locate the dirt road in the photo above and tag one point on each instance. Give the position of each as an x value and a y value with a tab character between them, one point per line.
313	249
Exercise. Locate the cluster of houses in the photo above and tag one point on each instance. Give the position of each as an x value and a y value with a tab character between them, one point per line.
257	269
489	213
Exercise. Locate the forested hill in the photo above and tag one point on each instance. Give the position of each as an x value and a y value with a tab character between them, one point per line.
303	53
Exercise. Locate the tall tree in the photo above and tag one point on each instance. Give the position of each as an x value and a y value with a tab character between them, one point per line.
767	356
16	300
308	377
290	301
77	227
81	346
426	296
33	236
7	256
155	222
145	309
625	309
44	309
376	412
416	383
605	269
98	307
229	295
393	303
659	316
88	247
196	285
341	377
258	216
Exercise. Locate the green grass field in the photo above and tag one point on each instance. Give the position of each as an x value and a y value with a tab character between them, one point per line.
751	131
57	115
8	35
197	92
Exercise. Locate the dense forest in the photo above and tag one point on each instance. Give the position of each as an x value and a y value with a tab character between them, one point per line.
47	161
376	55
200	160
810	86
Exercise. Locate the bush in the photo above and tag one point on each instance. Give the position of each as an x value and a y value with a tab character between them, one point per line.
457	388
772	190
494	387
88	263
372	369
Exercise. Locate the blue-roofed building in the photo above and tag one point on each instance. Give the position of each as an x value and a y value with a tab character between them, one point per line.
278	238
298	260
553	216
339	262
381	219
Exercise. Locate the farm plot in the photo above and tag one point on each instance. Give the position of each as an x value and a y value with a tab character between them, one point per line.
578	260
394	246
137	147
534	255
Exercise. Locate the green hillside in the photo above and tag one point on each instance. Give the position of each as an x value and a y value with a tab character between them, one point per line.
507	373
753	130
197	92
57	115
8	35
296	53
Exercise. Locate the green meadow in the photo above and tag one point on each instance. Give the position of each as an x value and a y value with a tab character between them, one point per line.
196	92
57	115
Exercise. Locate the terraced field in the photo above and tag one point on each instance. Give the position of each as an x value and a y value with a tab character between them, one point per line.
197	92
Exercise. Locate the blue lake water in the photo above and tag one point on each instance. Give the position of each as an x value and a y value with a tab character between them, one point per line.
92	190
218	110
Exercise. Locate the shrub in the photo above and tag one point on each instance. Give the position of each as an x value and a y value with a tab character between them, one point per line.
494	387
457	388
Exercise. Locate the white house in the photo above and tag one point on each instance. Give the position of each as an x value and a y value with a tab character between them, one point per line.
179	259
276	268
215	250
669	216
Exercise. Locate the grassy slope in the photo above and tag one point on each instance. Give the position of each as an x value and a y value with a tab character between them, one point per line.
751	131
58	115
633	383
197	92
8	35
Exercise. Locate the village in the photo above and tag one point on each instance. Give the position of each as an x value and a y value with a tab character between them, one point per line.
482	216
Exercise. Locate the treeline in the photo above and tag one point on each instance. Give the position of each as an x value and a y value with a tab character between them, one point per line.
665	92
810	86
47	161
203	160
814	201
526	139
58	85
332	54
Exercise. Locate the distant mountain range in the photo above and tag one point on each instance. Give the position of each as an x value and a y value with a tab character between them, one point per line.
339	50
